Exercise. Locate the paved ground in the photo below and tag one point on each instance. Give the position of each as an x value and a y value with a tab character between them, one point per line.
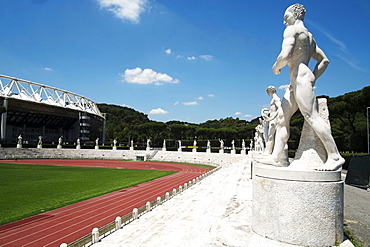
357	212
215	212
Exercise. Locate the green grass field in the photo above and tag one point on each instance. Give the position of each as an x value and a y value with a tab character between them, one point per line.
28	190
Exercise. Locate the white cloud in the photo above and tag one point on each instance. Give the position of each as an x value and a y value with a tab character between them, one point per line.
191	58
238	113
179	56
190	103
125	9
176	103
247	115
200	98
147	76
211	95
124	105
168	51
344	53
158	111
48	69
206	57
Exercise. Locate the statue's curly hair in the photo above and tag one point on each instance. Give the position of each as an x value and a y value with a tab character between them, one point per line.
298	11
271	89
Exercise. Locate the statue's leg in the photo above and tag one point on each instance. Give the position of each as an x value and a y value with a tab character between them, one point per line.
307	103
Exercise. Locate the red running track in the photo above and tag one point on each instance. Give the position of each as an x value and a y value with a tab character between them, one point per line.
67	224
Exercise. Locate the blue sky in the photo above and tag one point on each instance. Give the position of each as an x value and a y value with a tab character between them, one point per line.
187	60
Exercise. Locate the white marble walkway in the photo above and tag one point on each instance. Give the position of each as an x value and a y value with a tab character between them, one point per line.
215	212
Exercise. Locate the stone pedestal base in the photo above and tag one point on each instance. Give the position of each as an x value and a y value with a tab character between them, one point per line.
243	152
194	150
164	149
19	145
208	151
221	151
96	147
131	148
300	207
233	152
78	147
59	147
179	150
114	148
39	146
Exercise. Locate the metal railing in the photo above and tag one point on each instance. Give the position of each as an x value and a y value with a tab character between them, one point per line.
104	231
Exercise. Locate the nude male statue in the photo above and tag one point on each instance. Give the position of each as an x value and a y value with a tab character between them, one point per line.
298	48
271	118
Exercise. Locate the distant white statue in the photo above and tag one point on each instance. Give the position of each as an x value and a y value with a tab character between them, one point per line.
78	145
132	145
258	138
148	144
265	124
194	145
60	141
164	148
243	144
39	144
271	118
221	144
114	144
208	144
179	148
97	141
233	144
298	48
19	142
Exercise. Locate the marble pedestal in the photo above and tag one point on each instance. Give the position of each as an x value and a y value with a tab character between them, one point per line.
19	145
300	207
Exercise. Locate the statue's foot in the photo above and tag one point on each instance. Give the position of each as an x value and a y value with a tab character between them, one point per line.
268	160
332	165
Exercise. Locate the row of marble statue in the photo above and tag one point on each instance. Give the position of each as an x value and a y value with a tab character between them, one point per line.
78	144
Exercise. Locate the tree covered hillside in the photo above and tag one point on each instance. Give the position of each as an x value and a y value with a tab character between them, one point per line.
347	117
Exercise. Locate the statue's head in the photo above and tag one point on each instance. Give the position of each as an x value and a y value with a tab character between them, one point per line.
270	90
298	11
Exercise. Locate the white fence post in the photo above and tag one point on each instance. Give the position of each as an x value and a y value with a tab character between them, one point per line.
118	222
167	196
64	245
148	207
135	213
174	192
159	200
95	235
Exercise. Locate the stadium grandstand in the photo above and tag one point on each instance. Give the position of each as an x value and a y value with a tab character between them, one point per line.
31	110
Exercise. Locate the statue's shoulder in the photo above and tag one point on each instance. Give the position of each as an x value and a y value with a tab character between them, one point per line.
290	31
